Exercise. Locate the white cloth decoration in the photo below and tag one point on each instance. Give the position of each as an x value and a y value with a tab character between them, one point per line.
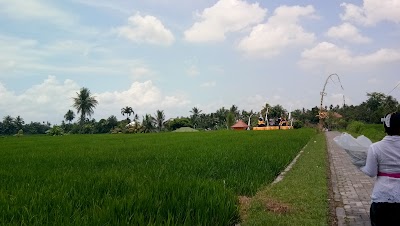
387	120
356	148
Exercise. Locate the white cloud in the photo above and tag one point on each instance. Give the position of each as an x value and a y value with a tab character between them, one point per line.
176	101
147	29
104	4
143	97
372	12
254	102
139	94
47	101
76	47
334	99
281	31
379	57
36	10
51	99
18	54
192	71
15	52
326	53
347	32
7	65
224	17
209	84
141	72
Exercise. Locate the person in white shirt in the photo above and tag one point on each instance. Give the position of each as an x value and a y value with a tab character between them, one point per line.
383	161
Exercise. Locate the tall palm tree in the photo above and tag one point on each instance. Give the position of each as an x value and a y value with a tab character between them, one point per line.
128	111
235	111
266	108
8	125
230	120
195	111
159	120
147	123
221	115
19	122
195	116
84	104
69	116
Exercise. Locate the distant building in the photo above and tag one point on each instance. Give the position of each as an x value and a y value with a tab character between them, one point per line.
240	125
337	115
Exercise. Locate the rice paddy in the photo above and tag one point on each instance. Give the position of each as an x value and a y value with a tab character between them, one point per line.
139	179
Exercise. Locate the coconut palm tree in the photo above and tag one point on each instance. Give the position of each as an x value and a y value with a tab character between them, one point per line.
19	122
235	111
147	123
8	125
159	120
221	115
195	116
84	104
69	116
128	111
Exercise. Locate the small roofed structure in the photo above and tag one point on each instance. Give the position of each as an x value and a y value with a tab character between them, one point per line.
185	129
240	125
337	115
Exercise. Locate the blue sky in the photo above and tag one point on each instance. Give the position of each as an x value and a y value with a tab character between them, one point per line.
174	55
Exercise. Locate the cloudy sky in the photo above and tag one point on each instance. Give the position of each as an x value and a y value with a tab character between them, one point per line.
174	55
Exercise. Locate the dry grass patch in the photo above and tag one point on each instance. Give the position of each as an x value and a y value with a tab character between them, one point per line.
276	206
244	205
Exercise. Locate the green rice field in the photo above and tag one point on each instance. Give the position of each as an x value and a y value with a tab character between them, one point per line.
139	179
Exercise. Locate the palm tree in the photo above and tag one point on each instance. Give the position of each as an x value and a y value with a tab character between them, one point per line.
19	122
159	120
235	111
84	104
69	116
266	108
195	116
195	111
8	125
147	124
221	115
230	120
128	111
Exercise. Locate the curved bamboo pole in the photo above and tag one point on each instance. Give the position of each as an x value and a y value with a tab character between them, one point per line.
321	113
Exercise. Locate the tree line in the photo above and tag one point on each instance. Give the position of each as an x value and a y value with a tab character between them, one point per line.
369	111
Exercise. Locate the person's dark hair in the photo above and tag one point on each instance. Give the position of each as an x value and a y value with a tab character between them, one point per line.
394	128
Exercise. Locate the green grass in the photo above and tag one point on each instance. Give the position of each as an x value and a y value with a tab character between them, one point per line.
301	198
375	132
139	179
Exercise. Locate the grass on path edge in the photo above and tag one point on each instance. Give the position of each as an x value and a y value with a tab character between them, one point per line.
301	198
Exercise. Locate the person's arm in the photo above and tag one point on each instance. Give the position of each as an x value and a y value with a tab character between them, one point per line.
371	166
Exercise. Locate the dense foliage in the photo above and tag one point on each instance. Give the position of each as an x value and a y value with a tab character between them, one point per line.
11	126
144	179
369	112
374	132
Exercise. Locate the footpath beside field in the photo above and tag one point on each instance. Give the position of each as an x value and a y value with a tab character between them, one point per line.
351	188
300	199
